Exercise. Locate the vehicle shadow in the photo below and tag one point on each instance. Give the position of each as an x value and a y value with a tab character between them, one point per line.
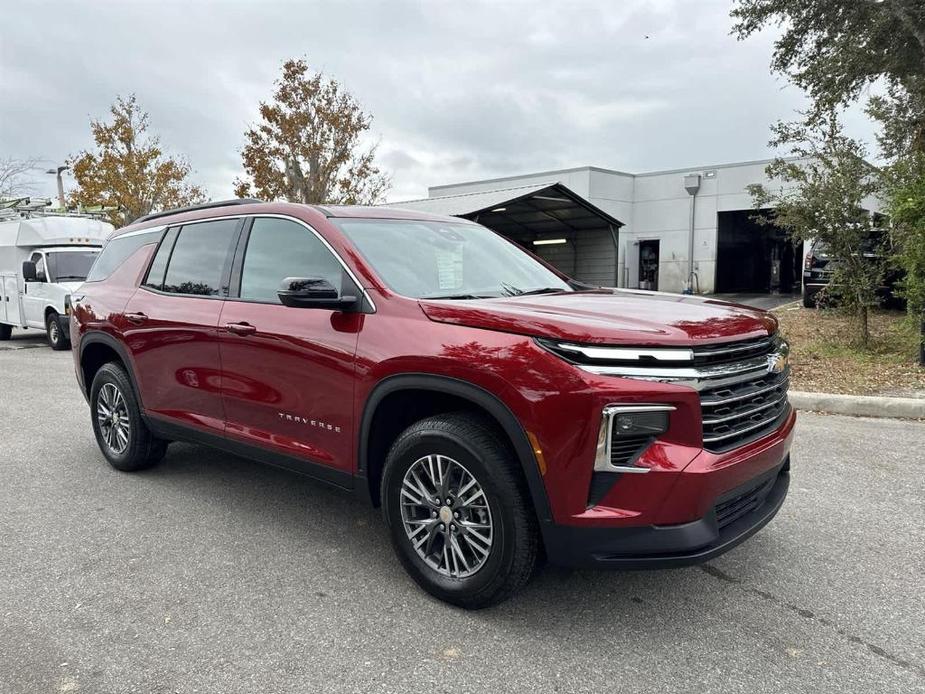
314	518
24	339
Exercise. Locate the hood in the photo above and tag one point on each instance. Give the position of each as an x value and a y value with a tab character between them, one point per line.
609	317
70	286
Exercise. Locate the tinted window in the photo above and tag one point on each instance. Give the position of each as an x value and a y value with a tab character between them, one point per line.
155	279
118	250
70	266
199	256
278	248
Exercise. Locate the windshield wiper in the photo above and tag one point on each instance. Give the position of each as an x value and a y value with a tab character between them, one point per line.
543	290
455	296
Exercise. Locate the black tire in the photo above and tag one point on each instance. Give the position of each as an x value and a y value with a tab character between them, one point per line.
141	449
475	444
6	332
809	298
57	339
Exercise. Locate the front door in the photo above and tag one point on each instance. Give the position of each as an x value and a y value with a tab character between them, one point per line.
35	294
171	324
288	373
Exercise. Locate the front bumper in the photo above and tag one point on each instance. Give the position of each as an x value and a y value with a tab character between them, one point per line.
734	517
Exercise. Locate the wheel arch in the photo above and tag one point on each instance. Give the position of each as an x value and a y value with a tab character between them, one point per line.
447	390
98	348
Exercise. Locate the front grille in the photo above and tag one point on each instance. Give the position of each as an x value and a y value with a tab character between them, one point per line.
742	384
730	510
735	414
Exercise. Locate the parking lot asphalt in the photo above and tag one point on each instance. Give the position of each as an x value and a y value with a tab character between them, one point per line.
210	573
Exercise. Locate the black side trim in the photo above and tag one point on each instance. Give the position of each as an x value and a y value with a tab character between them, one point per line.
99	337
178	432
479	396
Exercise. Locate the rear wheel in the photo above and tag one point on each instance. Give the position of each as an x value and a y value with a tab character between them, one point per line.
6	332
459	512
57	340
120	432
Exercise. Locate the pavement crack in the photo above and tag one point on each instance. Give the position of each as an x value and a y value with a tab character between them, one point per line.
809	614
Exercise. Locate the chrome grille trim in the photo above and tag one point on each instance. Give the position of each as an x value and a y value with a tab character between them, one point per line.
737	432
742	385
728	418
698	378
711	402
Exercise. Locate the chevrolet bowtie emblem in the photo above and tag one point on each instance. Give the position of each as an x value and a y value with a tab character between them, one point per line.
777	362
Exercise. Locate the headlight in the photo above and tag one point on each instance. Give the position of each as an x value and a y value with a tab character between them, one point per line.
67	304
626	431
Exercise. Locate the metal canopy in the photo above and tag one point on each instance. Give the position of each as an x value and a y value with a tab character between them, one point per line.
525	213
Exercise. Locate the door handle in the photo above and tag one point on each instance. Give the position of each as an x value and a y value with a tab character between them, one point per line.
136	318
242	328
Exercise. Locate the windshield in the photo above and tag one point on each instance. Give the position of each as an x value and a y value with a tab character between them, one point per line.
443	260
69	266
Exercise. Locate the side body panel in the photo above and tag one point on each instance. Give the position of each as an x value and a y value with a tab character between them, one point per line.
289	385
176	354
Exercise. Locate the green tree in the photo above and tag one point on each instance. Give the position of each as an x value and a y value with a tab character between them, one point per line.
307	146
821	193
128	169
835	49
906	193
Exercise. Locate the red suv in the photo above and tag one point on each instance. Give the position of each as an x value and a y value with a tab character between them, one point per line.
496	410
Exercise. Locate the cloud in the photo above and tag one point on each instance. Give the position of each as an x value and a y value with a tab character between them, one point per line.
458	90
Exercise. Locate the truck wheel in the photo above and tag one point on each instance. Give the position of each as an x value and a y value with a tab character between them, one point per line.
120	432
459	512
6	332
809	299
57	340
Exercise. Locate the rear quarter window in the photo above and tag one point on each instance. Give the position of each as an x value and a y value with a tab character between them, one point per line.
119	249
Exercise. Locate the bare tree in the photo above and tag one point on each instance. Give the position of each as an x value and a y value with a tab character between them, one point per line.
16	177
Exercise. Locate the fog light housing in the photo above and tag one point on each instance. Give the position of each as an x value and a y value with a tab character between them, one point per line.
626	431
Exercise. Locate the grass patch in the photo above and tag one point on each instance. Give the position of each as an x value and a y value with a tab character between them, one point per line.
826	357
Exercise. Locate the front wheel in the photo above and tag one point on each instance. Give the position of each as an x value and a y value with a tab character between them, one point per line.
6	332
459	512
57	340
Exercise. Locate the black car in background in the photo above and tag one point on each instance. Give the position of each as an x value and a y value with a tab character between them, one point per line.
819	267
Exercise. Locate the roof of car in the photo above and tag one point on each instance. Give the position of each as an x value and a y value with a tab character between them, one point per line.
248	206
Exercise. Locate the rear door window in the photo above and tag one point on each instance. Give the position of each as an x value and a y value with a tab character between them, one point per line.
200	258
155	278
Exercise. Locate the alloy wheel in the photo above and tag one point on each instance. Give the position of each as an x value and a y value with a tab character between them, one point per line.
446	516
113	418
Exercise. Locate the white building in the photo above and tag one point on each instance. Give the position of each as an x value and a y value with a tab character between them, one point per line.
614	228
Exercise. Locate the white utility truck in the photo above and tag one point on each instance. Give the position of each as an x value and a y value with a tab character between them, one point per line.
44	256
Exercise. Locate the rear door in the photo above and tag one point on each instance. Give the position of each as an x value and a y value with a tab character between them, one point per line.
288	373
171	324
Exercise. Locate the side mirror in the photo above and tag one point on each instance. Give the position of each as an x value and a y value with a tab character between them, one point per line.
28	271
313	292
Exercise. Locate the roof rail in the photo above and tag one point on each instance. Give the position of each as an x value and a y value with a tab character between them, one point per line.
193	208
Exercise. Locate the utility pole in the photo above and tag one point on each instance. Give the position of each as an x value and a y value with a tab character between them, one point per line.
57	173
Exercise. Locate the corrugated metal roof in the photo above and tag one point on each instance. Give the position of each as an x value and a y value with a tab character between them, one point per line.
469	203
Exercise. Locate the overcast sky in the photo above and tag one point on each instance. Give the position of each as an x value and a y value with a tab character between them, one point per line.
458	90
